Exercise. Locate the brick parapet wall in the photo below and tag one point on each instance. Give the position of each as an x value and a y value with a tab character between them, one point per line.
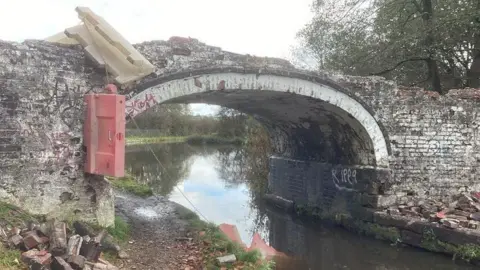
434	142
433	139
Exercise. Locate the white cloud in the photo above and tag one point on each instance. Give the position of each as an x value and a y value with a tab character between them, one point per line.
260	27
206	190
257	27
203	109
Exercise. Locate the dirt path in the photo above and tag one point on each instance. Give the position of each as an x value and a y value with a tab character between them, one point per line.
159	238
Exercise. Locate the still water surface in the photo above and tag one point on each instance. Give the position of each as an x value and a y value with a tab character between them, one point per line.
213	178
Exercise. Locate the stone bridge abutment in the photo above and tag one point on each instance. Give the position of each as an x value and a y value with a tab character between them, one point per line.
336	139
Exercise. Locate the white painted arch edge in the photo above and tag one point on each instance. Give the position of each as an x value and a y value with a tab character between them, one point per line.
232	81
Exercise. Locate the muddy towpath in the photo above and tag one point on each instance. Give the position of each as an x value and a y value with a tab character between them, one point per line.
159	234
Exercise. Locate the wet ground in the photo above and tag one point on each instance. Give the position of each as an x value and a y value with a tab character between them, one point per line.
158	235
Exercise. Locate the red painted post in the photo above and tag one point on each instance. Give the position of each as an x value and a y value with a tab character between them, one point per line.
104	133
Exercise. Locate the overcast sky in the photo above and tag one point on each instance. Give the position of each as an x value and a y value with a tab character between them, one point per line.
257	27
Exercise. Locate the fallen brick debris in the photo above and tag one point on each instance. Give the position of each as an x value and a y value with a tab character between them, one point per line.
463	212
48	246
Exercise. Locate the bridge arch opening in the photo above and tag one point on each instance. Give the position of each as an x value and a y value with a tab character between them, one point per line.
307	118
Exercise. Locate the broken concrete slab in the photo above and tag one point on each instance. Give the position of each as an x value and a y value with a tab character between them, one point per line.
58	238
227	259
74	245
106	47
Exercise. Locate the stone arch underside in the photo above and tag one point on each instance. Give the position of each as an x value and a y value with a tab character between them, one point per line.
307	120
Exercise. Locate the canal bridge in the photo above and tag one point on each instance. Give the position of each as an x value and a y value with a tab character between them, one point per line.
336	139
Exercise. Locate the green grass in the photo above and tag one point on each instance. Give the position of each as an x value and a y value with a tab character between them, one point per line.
216	244
10	259
193	139
120	231
467	252
14	216
130	185
131	140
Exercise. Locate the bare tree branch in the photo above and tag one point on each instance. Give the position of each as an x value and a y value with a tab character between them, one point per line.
414	59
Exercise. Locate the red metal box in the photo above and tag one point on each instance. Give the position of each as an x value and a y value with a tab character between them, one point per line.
104	134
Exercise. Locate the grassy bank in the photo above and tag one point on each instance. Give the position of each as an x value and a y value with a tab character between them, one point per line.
193	140
12	216
215	244
133	140
130	185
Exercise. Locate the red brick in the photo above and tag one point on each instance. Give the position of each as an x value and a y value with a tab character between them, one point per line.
36	256
32	240
17	241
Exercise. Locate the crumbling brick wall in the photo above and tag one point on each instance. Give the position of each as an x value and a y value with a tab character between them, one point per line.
41	104
433	139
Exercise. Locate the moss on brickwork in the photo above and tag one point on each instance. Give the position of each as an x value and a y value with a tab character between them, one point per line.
391	234
467	252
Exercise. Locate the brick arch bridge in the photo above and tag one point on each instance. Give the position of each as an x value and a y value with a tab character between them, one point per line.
337	139
309	118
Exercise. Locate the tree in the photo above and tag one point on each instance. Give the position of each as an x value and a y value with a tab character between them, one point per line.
231	123
429	43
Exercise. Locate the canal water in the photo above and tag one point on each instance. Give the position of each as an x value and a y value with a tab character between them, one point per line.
214	180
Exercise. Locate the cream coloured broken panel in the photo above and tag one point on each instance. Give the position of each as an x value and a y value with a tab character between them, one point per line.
108	48
61	38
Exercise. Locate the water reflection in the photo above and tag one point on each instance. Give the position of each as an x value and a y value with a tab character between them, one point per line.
216	181
324	248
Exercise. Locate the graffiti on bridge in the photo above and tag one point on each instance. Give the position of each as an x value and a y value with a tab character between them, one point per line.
344	179
138	105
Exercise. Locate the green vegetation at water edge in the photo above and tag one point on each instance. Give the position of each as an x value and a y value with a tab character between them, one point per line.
467	252
216	244
130	185
194	140
148	140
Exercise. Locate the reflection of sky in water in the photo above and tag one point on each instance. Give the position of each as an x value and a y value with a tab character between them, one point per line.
206	190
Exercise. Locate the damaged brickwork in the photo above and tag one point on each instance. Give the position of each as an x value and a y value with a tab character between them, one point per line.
41	156
425	145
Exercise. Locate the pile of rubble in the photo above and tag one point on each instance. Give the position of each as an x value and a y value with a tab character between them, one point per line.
463	212
53	246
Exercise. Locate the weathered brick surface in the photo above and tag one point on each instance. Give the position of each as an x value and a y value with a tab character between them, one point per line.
330	187
432	141
41	105
41	114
